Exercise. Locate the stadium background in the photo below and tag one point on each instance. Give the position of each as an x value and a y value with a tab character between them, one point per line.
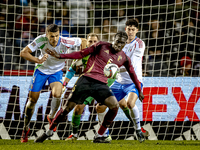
170	30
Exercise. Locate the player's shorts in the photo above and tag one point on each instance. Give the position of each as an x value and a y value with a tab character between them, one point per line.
89	99
39	80
86	86
121	90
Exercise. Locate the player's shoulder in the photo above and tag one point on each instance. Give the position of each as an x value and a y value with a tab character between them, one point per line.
41	38
139	43
70	40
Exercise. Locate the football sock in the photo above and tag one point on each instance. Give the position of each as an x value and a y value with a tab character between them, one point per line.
135	114
75	123
60	115
55	103
127	113
101	117
109	117
30	107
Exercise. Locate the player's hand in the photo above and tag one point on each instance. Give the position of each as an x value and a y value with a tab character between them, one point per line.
43	59
141	96
52	53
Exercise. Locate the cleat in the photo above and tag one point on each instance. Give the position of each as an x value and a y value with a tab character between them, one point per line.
24	137
100	140
71	137
50	120
41	138
145	132
108	138
140	136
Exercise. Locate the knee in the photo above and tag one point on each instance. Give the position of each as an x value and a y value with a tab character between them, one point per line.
130	105
30	105
101	109
115	106
78	109
57	94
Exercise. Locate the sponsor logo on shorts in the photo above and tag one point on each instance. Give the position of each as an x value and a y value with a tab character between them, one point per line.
133	90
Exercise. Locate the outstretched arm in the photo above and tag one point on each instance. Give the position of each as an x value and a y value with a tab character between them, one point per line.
74	55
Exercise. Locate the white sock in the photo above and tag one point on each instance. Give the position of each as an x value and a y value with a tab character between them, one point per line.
55	103
97	135
101	117
135	114
49	132
76	135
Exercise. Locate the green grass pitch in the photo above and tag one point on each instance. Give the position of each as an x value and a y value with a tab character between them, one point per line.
88	145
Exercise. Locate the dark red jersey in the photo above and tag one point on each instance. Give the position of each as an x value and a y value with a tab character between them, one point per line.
101	54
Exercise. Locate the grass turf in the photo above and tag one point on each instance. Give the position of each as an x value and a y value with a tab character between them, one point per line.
88	145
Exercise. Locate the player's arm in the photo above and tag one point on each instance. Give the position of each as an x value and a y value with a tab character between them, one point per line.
133	76
26	54
74	55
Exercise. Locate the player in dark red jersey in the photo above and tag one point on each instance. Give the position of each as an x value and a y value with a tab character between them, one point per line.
93	82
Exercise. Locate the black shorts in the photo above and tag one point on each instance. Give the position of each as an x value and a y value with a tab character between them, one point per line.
86	86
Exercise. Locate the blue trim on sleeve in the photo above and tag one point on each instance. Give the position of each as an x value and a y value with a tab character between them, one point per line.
70	73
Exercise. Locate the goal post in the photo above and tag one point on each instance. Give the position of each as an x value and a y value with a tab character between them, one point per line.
171	64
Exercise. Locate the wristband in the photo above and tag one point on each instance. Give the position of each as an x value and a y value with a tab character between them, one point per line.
70	73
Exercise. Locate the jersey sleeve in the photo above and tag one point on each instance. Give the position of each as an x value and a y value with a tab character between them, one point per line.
71	42
37	43
139	48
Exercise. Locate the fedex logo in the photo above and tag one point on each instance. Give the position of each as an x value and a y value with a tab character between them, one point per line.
186	106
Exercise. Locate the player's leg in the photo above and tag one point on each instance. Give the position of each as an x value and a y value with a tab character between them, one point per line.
101	111
56	88
38	81
55	102
79	93
134	111
135	115
29	110
113	106
76	117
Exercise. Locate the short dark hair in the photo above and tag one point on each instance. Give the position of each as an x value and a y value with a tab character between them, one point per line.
92	35
121	34
132	22
52	28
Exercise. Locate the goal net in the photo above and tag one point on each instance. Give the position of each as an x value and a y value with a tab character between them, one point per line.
171	64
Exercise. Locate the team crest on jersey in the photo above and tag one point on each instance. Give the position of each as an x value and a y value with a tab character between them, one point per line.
107	51
62	51
33	44
119	58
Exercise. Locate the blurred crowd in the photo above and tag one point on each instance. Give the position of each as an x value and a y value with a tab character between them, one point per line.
170	29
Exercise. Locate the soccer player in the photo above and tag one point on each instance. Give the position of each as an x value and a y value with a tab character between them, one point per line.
123	85
93	81
48	68
92	38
